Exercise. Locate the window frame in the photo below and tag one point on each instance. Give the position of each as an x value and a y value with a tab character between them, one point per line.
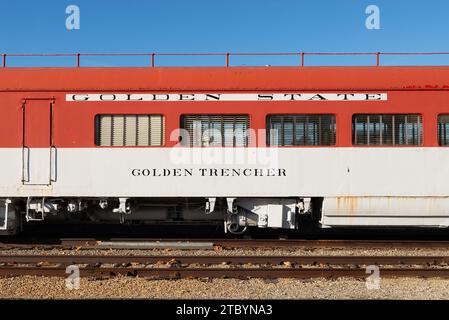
97	127
248	129
268	129
395	145
438	130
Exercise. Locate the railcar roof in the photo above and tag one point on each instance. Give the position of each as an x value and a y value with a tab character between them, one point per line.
225	78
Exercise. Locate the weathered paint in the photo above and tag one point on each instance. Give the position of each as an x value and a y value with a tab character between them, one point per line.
386	211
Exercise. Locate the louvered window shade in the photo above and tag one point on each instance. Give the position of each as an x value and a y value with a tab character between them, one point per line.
387	129
129	130
443	130
301	130
216	130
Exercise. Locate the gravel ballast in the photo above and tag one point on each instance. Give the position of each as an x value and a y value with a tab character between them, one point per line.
28	287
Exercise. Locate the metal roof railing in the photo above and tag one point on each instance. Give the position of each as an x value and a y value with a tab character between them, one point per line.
301	56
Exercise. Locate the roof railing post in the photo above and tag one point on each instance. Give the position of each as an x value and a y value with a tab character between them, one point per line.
227	59
302	59
152	59
78	60
4	60
377	58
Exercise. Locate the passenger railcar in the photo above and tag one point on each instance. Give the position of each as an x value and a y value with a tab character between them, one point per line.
244	146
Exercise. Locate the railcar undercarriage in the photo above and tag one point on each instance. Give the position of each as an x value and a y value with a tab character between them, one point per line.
234	213
237	214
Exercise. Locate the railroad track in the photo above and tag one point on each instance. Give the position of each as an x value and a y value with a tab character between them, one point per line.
242	267
223	266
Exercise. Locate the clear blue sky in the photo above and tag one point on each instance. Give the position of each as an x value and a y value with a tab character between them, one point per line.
222	26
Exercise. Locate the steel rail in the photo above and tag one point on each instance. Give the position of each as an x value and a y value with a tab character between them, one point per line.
270	273
210	260
340	244
240	243
91	243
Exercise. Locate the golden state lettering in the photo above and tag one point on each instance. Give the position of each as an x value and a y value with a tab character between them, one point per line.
217	97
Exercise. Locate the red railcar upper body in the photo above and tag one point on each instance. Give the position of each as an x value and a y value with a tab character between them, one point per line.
422	90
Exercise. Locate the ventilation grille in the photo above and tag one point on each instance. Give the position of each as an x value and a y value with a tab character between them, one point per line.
301	130
129	130
387	129
216	130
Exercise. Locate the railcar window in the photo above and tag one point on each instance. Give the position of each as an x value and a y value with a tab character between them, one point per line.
129	130
387	129
216	130
443	130
301	130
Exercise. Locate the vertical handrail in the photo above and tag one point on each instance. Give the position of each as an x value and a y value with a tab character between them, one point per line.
78	55
152	59
53	164
4	60
302	54
25	164
377	59
227	59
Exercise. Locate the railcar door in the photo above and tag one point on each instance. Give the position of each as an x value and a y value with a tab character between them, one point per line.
39	156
